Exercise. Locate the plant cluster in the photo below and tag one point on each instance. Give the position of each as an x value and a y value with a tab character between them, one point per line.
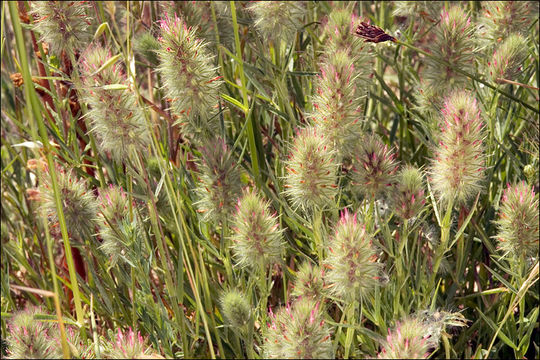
269	179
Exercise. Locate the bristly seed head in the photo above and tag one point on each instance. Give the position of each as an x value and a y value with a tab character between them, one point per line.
353	270
457	170
298	332
257	239
374	167
62	24
311	171
518	222
190	79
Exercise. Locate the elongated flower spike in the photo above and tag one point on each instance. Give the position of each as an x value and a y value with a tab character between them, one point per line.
298	332
500	19
409	339
120	234
219	182
116	118
337	103
78	203
278	20
257	239
408	197
352	265
457	168
508	58
342	22
28	338
190	78
62	24
127	345
235	308
311	171
374	168
518	221
455	43
310	282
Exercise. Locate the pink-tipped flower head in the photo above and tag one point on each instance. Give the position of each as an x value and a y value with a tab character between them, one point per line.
337	102
455	43
298	332
62	24
353	270
508	58
309	282
374	167
190	78
28	338
219	182
311	171
518	222
500	19
408	196
78	203
121	235
126	345
457	170
257	239
278	20
116	117
410	339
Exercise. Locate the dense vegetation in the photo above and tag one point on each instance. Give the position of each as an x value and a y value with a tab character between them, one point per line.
270	179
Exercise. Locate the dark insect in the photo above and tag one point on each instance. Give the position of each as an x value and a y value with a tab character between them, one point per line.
372	33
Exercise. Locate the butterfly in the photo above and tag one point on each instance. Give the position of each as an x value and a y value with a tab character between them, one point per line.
372	33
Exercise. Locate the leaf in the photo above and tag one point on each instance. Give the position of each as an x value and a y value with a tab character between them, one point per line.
108	63
501	335
29	144
114	87
101	28
502	280
234	102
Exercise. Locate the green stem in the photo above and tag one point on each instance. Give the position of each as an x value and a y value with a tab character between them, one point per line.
249	119
37	117
441	250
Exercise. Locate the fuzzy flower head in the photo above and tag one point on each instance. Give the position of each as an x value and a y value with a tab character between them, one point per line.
126	345
518	221
337	34
408	196
257	239
507	60
428	10
62	24
311	171
78	203
501	18
219	182
309	282
352	261
337	102
28	338
455	43
116	117
298	332
236	309
190	78
374	168
278	19
410	339
457	169
120	235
